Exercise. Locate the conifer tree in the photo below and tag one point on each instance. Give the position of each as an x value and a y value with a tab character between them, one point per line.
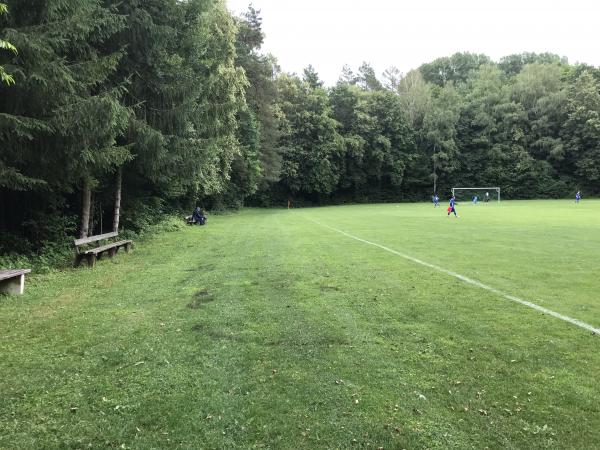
185	92
5	45
60	122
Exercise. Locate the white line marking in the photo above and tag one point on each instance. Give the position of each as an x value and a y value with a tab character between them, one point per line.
470	281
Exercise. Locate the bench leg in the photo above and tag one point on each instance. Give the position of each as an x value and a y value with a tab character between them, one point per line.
91	260
78	259
112	252
127	247
15	286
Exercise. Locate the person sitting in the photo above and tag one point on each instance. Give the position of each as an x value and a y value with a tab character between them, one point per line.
197	217
202	219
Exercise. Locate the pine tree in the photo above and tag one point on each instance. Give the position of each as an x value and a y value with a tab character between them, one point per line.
185	92
5	45
60	122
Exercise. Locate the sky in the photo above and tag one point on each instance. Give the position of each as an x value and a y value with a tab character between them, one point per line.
406	34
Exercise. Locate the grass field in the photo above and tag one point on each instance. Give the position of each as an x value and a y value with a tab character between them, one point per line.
267	330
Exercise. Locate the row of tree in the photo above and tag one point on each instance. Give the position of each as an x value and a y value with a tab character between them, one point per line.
110	102
110	105
530	124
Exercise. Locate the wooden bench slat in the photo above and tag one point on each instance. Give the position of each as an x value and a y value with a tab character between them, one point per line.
12	273
98	237
92	254
106	247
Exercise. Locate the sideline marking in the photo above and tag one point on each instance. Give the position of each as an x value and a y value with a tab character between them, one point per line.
470	281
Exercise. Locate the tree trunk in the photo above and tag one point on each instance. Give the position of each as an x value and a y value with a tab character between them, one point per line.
92	214
117	212
85	209
434	171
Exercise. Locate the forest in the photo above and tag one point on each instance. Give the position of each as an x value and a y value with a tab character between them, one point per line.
116	113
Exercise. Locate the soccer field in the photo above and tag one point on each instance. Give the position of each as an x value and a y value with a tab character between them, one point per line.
541	251
375	326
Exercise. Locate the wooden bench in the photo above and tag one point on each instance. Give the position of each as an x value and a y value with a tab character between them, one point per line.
96	252
12	281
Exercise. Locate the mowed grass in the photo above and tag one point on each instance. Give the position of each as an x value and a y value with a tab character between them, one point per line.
266	330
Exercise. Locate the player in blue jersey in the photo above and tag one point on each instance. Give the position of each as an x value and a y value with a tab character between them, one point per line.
452	207
577	196
435	200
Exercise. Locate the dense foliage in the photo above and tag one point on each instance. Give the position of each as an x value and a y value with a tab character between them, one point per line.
528	124
5	45
115	112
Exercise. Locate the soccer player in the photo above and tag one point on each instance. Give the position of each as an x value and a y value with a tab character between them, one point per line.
475	199
487	197
436	200
451	208
577	196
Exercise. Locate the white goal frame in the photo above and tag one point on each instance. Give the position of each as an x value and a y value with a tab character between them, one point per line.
495	188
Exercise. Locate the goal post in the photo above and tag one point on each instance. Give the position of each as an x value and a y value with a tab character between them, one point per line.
493	191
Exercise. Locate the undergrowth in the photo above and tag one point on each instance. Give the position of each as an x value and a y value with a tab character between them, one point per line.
58	255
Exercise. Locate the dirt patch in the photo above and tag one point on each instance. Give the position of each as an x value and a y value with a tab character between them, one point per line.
200	298
194	304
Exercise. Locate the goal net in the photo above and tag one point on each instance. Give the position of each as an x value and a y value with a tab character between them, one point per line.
481	194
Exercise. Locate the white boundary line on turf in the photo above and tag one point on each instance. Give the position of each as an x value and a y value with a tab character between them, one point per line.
470	281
